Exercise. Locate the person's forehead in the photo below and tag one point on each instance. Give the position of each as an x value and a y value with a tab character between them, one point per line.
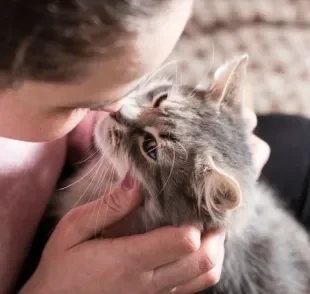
104	84
109	79
109	83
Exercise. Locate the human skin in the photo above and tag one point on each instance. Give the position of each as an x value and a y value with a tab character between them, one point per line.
72	262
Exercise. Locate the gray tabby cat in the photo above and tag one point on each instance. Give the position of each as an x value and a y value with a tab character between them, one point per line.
188	150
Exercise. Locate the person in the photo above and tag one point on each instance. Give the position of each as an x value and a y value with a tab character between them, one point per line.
60	60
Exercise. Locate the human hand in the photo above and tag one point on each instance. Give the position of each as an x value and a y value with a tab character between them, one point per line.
209	257
156	262
260	149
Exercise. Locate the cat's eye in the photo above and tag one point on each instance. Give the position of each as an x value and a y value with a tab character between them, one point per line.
149	146
157	100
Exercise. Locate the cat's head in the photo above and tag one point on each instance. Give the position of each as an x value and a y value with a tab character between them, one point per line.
186	147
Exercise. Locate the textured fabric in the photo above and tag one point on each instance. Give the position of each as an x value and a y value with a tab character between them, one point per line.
275	34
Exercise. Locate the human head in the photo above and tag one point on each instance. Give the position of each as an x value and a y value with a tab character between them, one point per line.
60	58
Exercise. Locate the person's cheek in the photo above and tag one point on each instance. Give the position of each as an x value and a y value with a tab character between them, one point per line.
80	139
51	126
61	124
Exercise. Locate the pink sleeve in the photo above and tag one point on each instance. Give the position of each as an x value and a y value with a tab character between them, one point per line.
28	174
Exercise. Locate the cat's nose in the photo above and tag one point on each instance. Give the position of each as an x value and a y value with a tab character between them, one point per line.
116	115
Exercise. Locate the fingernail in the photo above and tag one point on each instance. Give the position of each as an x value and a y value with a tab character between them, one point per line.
128	182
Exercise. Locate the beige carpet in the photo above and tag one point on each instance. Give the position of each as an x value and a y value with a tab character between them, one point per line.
275	34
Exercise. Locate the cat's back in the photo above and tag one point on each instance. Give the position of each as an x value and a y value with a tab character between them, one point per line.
271	255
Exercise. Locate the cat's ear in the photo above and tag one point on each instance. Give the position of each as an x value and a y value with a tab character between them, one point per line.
221	191
229	82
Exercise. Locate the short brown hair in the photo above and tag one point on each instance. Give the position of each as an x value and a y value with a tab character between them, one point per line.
52	40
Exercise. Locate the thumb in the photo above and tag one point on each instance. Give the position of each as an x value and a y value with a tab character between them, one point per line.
261	153
84	222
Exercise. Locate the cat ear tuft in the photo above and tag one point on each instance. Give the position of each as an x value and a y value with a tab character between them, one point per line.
229	82
221	191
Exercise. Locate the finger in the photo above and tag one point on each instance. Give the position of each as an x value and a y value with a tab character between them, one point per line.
261	152
161	246
193	265
204	281
80	224
250	119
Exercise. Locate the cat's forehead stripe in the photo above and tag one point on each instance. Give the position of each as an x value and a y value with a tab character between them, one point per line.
131	111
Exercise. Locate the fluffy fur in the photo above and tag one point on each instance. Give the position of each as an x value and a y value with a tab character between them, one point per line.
188	151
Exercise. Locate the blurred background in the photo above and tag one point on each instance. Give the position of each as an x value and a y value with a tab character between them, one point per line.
275	34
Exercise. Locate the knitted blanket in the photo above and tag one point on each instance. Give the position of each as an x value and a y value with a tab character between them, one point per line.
275	34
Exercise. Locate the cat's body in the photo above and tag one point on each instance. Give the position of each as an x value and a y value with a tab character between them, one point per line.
271	254
188	151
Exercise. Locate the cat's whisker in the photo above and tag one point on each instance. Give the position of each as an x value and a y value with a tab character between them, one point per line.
98	165
108	200
171	170
82	178
209	68
104	172
112	171
97	187
212	58
177	76
186	152
198	84
87	157
150	77
193	91
156	147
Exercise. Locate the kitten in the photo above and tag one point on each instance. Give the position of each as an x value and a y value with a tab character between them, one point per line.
188	150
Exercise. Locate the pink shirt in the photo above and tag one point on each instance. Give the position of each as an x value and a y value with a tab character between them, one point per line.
28	174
